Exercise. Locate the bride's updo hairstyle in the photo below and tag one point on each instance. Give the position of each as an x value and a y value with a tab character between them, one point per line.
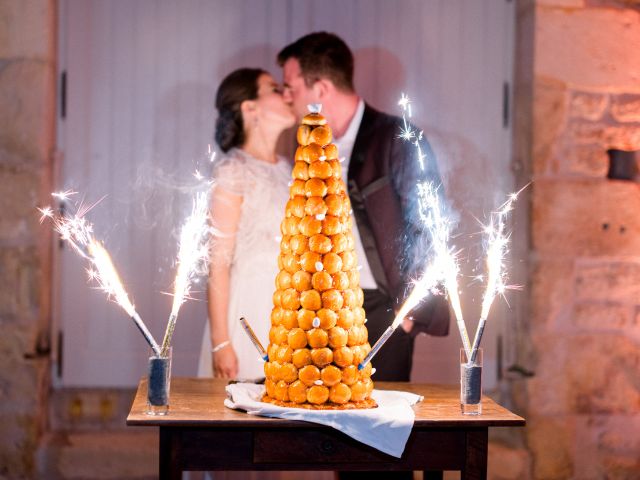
238	86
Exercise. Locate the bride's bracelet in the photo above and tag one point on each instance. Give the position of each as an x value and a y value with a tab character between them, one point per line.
220	346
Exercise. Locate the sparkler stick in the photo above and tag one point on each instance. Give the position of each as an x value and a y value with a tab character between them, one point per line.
79	234
110	282
254	339
378	345
498	242
193	254
425	284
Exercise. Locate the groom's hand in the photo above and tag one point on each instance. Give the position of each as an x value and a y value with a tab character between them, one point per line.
407	324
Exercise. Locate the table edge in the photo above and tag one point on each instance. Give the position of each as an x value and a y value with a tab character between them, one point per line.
249	421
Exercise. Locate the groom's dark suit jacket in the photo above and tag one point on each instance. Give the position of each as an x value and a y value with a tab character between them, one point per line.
383	173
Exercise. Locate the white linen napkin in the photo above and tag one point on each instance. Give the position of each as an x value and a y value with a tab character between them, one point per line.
385	428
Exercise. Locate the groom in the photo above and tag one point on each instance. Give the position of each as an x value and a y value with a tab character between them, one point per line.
381	172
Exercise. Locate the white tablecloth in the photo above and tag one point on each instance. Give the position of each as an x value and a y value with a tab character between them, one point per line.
386	428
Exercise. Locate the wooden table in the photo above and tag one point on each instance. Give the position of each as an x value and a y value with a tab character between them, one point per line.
200	433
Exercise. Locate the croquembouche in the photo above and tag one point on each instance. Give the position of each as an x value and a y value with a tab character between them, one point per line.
318	335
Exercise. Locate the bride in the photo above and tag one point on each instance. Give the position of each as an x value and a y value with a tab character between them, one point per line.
248	199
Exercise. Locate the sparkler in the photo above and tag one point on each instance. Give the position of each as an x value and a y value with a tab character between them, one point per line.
444	266
420	290
193	255
254	339
445	263
497	242
78	233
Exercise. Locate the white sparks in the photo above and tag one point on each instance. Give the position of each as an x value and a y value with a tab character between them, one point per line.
443	267
63	194
46	212
445	262
407	132
198	175
405	103
193	256
108	276
91	274
193	249
497	243
78	233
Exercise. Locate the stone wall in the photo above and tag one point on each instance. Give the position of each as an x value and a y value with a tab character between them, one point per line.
583	404
27	120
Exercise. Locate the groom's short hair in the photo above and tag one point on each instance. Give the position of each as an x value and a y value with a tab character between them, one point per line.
322	55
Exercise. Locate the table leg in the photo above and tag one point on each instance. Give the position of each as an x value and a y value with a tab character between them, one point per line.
475	464
169	464
433	475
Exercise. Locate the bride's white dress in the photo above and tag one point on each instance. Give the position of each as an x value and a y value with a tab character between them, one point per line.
254	262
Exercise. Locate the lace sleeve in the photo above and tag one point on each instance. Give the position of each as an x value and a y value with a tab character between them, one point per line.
229	173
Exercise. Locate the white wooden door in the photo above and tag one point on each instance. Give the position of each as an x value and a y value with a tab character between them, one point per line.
140	85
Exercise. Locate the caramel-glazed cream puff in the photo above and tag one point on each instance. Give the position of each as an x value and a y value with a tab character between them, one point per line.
318	335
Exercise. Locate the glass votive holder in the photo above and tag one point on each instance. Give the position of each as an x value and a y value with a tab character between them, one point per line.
159	383
471	384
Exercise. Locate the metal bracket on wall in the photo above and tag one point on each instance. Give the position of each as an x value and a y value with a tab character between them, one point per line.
506	105
63	94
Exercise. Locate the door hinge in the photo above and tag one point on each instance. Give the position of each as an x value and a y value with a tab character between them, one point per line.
59	356
505	105
62	208
63	94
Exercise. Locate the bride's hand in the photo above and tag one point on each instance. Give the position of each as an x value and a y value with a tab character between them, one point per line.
225	363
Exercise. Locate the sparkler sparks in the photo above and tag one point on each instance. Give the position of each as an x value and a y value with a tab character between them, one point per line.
107	277
63	194
46	212
407	132
442	267
445	264
193	255
497	243
78	233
